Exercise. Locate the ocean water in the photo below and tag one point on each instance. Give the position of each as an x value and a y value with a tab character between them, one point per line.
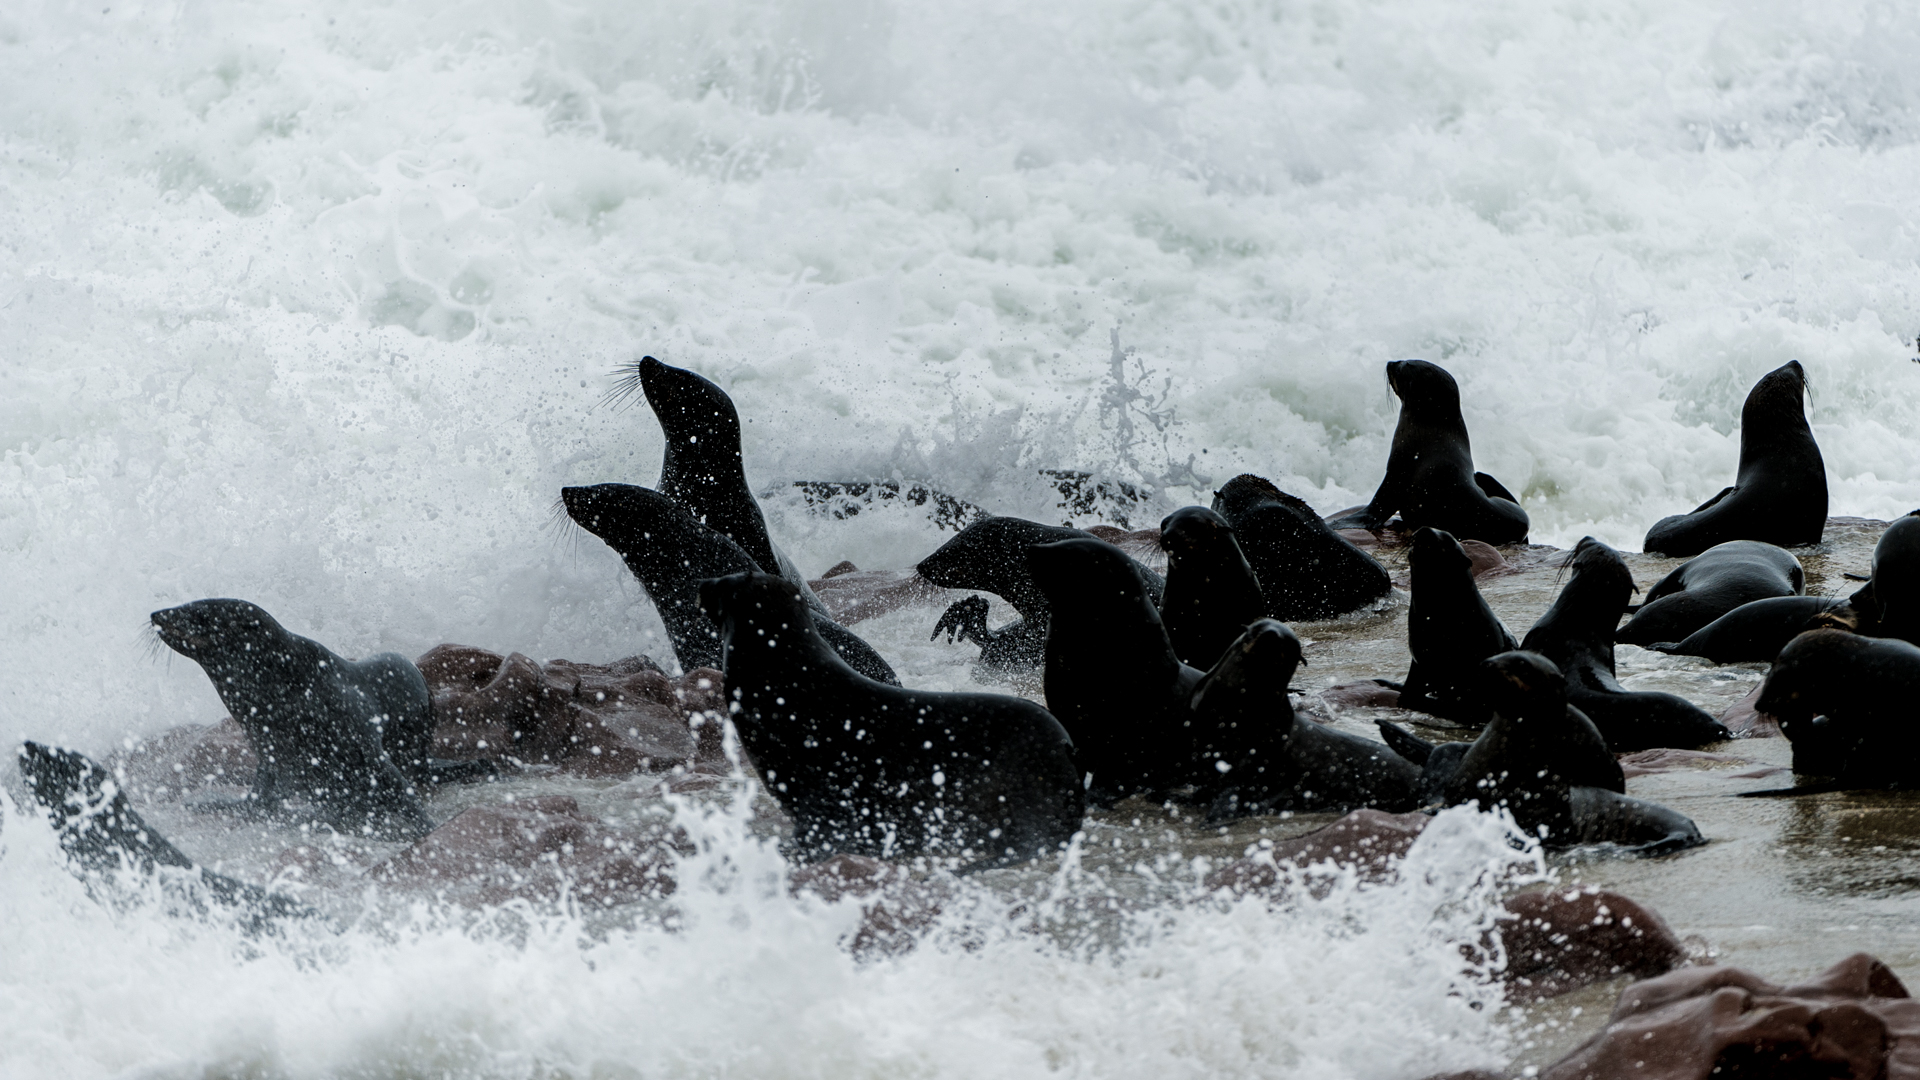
318	305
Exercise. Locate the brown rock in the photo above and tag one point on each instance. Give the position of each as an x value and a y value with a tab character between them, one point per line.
853	595
894	909
1666	759
185	759
1561	940
1747	722
1360	695
1855	1020
1370	840
535	848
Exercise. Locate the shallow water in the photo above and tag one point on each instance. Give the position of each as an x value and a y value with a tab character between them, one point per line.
315	304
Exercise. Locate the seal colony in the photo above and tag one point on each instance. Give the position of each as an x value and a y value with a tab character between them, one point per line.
1175	689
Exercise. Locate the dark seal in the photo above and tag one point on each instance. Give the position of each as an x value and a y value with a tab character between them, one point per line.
1306	570
106	840
1710	585
671	553
865	768
351	737
1430	479
1846	702
1212	594
1576	635
1450	630
1755	632
1548	765
1257	756
991	556
1889	604
1779	494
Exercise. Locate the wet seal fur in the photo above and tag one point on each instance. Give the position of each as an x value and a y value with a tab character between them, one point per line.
1889	604
991	556
1264	758
352	737
1306	570
1212	594
1450	630
1779	494
1430	479
671	553
1847	704
103	836
865	768
1710	585
1755	632
1576	635
1547	764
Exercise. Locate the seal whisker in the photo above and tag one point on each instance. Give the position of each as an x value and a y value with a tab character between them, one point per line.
625	388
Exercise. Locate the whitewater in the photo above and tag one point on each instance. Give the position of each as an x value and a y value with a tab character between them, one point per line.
319	304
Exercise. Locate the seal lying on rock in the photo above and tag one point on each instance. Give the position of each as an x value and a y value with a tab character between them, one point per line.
1779	495
353	738
1710	585
866	768
671	554
1576	635
1305	569
1450	629
103	836
1547	764
1211	594
1847	704
991	556
1430	479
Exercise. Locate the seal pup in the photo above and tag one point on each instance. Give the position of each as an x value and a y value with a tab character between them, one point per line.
1847	704
1306	570
351	737
1258	756
1430	479
865	768
1576	635
1779	494
1710	585
1111	676
103	836
671	553
1547	764
1211	595
1450	629
991	556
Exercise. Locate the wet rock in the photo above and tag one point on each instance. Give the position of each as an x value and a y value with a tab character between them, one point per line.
184	759
1142	544
1367	693
1562	940
537	849
1370	841
852	595
1666	759
1748	722
588	719
895	910
1855	1020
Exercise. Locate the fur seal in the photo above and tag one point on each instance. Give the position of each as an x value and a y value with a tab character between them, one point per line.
103	836
991	556
865	768
1846	702
1111	676
1711	584
1430	479
1754	632
1305	569
1779	494
702	467
1450	630
1889	604
1547	764
1257	756
671	553
1576	635
1211	593
352	737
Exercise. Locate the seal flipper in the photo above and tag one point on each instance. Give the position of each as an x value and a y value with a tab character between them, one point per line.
1494	489
1404	742
102	835
964	620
